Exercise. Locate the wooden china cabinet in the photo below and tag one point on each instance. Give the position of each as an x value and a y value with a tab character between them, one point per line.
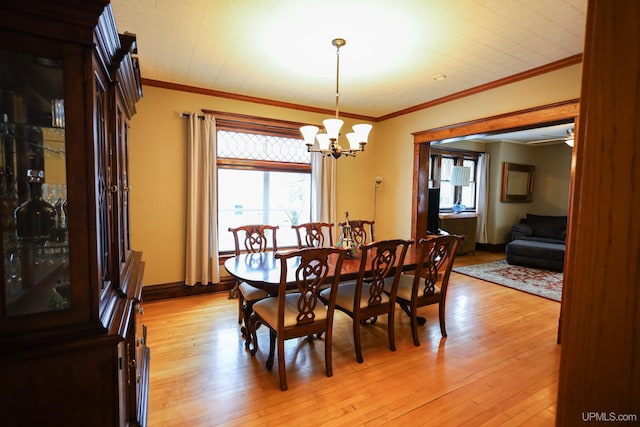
72	346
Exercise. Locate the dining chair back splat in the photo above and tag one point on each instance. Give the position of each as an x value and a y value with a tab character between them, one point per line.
361	230
251	238
430	282
299	313
366	298
314	234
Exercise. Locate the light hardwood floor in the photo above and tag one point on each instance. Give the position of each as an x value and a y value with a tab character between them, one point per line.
498	366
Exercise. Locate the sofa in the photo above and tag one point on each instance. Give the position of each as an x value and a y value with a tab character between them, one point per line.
538	241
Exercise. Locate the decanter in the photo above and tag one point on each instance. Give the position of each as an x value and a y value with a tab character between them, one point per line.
35	218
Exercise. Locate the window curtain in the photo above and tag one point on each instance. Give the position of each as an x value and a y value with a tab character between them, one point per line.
483	197
201	240
323	189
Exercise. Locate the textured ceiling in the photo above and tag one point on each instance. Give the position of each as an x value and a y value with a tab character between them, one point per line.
281	49
538	136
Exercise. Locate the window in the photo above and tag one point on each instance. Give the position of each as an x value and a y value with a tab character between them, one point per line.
264	176
440	166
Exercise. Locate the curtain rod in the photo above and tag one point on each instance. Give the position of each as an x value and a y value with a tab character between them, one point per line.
201	117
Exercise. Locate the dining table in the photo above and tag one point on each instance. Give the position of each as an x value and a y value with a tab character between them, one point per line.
262	269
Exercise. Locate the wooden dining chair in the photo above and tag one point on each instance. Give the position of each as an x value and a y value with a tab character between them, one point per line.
251	238
365	298
314	234
430	282
361	230
299	313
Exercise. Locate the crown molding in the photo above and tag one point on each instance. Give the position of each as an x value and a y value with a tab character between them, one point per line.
572	60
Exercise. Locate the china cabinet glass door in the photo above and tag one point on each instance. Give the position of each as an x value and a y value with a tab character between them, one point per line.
33	201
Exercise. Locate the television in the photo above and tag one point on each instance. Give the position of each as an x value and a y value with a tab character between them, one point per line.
433	211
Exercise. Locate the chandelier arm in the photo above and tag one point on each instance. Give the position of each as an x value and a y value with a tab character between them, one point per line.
326	153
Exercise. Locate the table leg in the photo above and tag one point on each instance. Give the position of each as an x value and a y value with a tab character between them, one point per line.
233	292
252	327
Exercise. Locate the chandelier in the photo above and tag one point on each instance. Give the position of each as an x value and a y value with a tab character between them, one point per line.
328	141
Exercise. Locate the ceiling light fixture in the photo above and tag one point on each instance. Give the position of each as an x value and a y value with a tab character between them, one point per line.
328	141
569	140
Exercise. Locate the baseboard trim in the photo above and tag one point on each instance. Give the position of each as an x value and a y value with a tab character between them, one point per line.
491	247
179	290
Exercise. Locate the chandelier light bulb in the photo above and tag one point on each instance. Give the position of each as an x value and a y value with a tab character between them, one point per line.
323	142
332	127
354	143
309	134
362	130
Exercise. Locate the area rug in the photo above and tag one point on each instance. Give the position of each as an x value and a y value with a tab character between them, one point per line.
544	283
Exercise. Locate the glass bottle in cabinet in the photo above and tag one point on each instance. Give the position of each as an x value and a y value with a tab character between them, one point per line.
36	218
34	245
